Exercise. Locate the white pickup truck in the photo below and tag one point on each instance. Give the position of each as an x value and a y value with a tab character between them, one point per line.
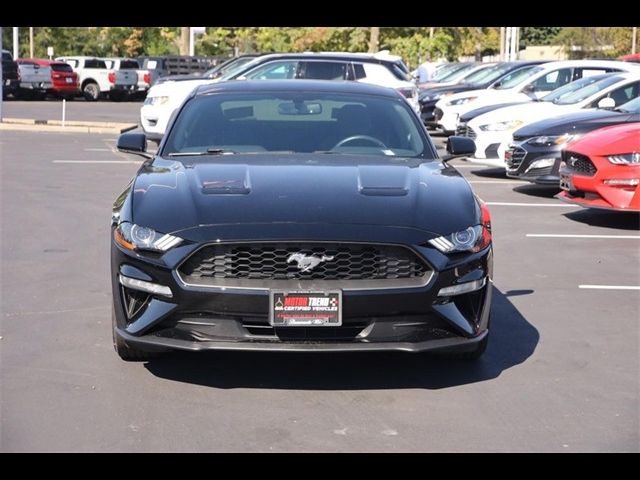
97	80
35	79
144	79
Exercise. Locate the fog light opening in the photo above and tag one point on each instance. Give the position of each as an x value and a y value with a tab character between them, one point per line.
462	288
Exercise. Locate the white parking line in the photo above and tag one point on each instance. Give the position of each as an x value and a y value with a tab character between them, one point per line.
610	287
98	150
517	204
94	162
555	235
504	182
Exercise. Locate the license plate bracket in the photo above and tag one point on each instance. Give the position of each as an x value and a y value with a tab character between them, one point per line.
304	308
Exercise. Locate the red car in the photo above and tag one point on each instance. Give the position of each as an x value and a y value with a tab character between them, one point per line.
64	79
602	169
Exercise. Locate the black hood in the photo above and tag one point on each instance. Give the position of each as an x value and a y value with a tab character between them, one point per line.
576	122
171	195
447	89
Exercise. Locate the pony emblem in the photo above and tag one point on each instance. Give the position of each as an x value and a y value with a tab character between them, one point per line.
306	263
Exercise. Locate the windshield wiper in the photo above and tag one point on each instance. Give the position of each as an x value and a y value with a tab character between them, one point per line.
208	151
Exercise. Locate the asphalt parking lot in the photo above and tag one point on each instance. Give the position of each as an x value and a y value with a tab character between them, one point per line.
560	374
77	109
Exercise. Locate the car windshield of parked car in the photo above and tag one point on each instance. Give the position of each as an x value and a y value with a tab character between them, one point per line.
515	79
572	87
297	122
632	106
587	91
61	67
129	65
236	70
481	76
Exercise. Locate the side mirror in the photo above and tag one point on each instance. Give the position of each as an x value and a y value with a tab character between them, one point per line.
607	102
529	88
135	143
459	147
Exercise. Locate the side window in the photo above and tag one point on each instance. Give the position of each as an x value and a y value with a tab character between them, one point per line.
621	95
358	70
589	72
273	71
73	63
322	70
552	80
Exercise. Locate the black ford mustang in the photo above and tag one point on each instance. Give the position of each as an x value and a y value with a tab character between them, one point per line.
299	216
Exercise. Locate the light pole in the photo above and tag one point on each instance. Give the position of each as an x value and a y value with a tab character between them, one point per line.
16	45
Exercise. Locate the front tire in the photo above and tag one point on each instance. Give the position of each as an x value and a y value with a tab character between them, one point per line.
127	352
91	92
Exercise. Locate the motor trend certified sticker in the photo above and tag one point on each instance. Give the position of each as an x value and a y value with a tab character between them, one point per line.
306	309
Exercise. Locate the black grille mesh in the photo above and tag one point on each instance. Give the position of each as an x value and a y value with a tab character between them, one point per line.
579	164
269	262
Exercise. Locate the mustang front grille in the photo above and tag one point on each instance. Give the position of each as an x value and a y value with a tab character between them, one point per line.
253	264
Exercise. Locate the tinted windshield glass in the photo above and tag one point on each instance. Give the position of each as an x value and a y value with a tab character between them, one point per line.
301	122
460	74
586	91
61	67
236	69
632	106
129	65
94	63
480	76
571	87
447	69
6	57
517	77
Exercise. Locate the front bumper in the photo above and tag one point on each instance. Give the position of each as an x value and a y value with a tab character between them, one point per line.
592	192
524	163
214	318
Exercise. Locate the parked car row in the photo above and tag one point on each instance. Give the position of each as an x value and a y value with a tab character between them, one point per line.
571	125
165	98
70	77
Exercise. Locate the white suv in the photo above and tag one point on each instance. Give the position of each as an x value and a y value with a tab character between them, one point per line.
378	69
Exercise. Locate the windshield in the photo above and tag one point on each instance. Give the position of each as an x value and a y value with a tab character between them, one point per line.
632	106
587	91
447	69
517	77
129	65
61	67
296	122
225	67
460	74
236	69
481	76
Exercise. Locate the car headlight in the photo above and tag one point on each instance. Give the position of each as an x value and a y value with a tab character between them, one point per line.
625	159
431	98
460	101
156	100
550	140
134	237
501	126
471	239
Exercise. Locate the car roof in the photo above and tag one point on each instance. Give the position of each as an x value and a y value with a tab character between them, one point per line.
332	56
302	85
41	61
